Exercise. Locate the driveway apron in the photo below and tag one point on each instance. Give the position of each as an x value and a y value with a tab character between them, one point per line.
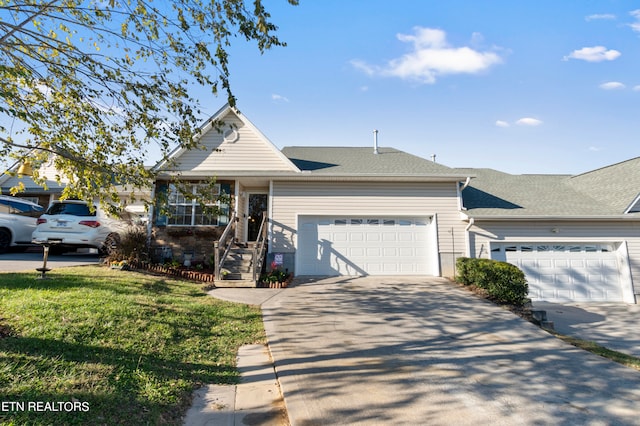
424	351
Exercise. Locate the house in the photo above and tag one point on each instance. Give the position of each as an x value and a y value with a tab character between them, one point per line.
381	211
576	237
32	191
54	185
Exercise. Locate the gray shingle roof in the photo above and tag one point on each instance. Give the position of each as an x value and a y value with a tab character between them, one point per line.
363	161
603	192
617	185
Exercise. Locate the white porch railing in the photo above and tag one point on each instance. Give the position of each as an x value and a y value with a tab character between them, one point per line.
260	248
222	246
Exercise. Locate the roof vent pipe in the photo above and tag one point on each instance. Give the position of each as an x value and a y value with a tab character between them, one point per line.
375	141
433	158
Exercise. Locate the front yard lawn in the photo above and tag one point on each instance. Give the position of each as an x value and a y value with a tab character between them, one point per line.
96	346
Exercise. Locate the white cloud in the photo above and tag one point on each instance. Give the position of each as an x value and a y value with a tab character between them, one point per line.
594	148
636	88
502	123
593	54
279	98
432	57
635	26
600	16
528	121
612	85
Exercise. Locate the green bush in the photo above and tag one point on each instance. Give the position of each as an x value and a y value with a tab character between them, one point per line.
504	282
131	246
463	266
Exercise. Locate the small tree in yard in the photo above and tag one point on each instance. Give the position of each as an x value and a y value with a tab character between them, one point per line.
94	86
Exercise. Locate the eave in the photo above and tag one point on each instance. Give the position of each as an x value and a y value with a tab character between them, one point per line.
303	176
552	218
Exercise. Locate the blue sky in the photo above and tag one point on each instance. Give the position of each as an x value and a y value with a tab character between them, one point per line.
519	86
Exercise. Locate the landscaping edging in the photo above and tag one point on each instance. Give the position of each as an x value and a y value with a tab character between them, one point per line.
189	274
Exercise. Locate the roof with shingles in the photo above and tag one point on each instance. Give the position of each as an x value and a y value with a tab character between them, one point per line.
618	185
363	161
604	192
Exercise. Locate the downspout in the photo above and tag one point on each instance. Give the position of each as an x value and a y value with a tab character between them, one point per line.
468	236
269	216
151	212
466	183
459	193
236	208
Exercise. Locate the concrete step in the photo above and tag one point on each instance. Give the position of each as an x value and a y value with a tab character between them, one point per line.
238	276
235	284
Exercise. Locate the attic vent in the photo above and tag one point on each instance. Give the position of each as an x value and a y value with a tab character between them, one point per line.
231	135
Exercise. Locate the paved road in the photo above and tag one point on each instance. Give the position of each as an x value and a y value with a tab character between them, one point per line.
423	351
21	262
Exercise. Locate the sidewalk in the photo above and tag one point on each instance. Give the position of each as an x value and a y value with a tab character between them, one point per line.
257	400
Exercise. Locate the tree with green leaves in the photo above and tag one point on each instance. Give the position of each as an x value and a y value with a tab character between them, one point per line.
96	85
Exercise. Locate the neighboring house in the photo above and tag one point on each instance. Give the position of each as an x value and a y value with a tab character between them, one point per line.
576	237
32	191
360	210
39	195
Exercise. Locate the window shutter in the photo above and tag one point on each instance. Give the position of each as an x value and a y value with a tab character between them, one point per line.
223	219
161	203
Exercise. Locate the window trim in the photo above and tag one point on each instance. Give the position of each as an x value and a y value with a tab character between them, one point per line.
192	207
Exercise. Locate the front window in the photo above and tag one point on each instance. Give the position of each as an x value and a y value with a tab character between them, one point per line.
184	209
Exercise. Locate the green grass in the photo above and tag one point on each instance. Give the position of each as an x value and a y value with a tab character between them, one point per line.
593	347
128	347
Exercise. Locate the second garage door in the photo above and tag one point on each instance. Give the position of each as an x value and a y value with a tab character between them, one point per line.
560	272
363	246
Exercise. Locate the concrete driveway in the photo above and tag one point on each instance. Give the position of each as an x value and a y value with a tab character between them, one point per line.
613	325
424	351
29	261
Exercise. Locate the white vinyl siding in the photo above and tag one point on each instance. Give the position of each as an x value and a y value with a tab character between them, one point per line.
249	152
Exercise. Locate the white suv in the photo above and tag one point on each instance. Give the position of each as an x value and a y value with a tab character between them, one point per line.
70	224
17	221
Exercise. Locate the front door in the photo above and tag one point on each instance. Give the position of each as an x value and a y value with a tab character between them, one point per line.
257	205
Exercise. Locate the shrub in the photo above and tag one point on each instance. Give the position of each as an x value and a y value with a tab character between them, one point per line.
463	266
504	282
132	246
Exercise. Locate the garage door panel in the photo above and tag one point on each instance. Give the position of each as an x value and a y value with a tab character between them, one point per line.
544	263
581	263
407	252
339	237
356	236
374	252
357	246
390	251
567	271
357	251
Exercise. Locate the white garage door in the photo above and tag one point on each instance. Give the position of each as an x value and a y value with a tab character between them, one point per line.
362	246
566	272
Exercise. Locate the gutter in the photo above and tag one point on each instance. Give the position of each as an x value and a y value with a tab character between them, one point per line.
297	176
598	218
